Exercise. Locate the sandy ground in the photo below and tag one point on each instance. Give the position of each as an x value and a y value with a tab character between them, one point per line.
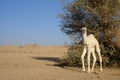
42	66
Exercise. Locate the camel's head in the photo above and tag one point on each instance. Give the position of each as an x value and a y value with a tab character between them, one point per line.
84	29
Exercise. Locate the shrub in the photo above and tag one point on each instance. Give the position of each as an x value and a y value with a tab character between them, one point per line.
72	58
110	56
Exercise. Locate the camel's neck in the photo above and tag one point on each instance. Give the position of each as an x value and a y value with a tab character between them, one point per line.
85	36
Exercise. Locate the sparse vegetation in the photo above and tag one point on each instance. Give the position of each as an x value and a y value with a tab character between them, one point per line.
73	57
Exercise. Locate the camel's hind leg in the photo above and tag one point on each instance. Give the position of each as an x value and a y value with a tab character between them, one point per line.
94	59
100	57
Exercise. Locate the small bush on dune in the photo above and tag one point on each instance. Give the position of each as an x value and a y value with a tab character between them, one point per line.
73	56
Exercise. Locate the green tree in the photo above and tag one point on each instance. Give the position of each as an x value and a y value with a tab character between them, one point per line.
101	17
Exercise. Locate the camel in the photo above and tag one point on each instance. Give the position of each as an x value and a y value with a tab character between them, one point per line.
90	46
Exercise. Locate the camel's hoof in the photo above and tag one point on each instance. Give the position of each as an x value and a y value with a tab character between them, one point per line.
101	69
91	70
83	69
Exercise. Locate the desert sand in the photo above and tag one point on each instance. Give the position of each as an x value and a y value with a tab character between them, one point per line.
33	62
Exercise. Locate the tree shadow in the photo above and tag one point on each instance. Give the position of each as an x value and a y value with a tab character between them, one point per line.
58	61
53	59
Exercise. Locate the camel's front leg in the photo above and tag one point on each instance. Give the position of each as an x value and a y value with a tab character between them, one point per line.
88	59
82	58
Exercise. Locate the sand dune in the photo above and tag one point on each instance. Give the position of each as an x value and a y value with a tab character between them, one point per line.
34	62
33	48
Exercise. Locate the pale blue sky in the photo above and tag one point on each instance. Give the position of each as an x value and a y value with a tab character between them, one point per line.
30	22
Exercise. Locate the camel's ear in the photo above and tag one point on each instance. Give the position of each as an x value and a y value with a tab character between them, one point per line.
82	28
